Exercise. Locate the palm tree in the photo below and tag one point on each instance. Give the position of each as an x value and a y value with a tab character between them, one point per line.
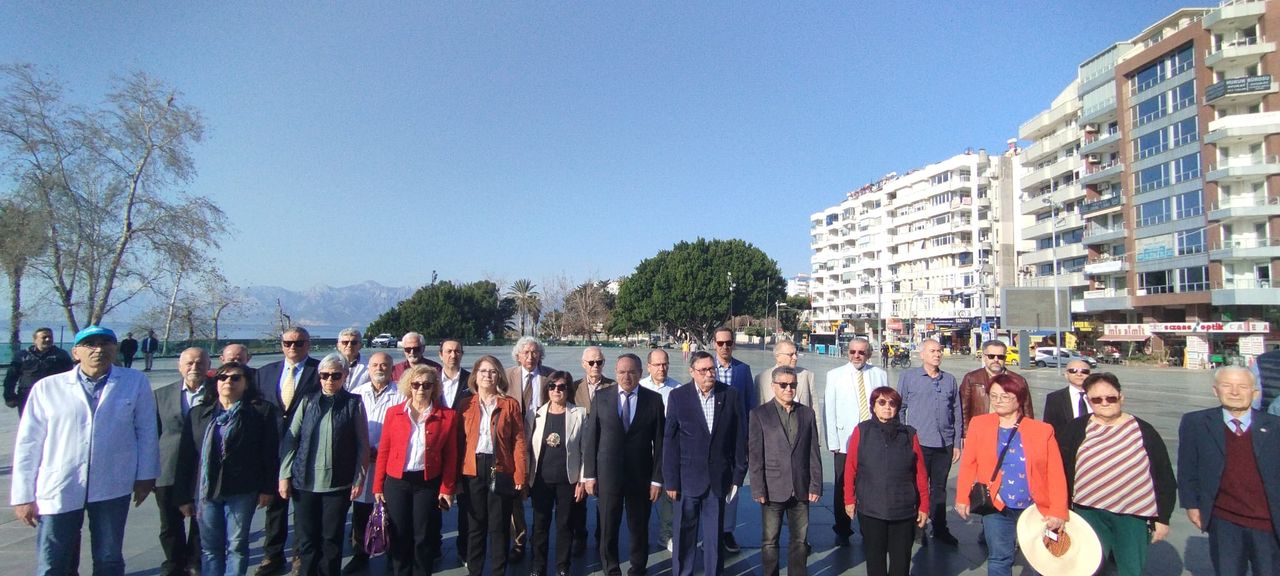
528	302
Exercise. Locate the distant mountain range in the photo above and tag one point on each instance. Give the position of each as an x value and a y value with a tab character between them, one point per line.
355	305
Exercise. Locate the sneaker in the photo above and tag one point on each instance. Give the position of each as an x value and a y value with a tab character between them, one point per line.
729	544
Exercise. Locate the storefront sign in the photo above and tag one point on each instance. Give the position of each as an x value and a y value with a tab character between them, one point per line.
1083	326
1154	248
1213	327
1126	330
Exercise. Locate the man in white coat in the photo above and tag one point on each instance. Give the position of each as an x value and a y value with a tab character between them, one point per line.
848	402
86	442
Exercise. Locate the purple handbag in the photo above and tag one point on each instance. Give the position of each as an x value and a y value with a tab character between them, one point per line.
375	535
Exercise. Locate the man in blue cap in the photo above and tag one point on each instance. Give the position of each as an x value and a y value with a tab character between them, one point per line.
86	442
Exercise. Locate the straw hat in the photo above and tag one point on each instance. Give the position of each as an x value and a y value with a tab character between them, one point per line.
1082	554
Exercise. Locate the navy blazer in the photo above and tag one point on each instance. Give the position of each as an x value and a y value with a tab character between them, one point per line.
1202	450
695	459
269	385
623	460
743	383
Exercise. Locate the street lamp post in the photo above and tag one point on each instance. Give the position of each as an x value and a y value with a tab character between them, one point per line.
731	287
1054	207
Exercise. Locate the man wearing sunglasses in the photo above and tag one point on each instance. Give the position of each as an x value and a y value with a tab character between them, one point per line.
1070	402
415	354
975	384
349	344
584	392
737	375
181	545
284	383
847	402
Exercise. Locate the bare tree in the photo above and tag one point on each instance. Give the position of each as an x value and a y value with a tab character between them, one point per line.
22	238
106	181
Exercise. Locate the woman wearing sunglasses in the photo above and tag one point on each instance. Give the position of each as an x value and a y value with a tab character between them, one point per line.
1119	475
326	453
886	485
229	457
556	440
417	470
1018	458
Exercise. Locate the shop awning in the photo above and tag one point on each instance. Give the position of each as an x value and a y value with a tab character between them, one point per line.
1122	338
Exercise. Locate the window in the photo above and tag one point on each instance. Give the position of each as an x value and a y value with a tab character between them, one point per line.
1186	167
1151	178
1149	109
1148	77
1073	264
1193	279
1188	204
940	178
1154	212
1149	144
1155	282
1184	95
1190	242
1182	60
1044	243
1185	131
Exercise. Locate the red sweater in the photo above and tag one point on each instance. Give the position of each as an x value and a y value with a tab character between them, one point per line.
1241	497
441	454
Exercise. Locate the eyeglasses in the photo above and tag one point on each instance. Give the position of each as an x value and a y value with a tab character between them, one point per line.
1002	397
486	371
293	343
791	384
1099	400
231	377
561	387
595	362
1078	371
331	375
724	343
706	370
856	352
420	385
886	402
413	349
995	356
348	342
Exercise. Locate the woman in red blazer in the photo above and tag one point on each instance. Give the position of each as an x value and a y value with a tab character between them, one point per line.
1031	473
417	471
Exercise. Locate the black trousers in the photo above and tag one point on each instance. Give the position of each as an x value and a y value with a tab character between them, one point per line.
891	537
321	521
937	462
549	498
413	518
843	525
360	513
179	535
275	531
490	519
460	503
797	513
635	500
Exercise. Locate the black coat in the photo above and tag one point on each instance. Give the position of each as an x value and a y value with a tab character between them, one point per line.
268	381
252	462
623	459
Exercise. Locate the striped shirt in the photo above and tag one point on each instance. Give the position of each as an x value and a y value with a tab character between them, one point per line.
1113	472
708	402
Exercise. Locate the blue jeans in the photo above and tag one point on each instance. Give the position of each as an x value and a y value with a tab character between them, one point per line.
58	538
224	534
1001	529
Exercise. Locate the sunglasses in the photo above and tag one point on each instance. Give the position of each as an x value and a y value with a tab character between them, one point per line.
231	377
724	343
853	352
412	348
292	343
884	402
561	387
420	385
995	356
348	342
595	362
785	384
331	375
1099	400
1078	371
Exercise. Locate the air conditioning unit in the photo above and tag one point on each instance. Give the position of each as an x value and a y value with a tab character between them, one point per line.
1090	127
1094	158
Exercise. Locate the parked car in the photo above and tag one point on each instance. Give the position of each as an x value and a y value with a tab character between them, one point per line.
384	341
1052	356
1011	357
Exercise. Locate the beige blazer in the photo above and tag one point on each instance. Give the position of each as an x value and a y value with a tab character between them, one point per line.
575	418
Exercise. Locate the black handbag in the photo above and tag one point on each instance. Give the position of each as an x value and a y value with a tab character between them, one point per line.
980	500
502	483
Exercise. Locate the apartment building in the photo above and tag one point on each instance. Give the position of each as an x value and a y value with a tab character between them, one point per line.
916	254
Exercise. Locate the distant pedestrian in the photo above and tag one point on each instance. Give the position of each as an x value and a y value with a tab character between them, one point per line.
884	354
41	359
150	345
128	349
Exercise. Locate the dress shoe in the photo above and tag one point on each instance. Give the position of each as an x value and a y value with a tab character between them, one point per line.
357	565
271	567
729	544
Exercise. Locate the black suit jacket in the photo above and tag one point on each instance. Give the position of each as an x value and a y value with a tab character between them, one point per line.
463	391
171	423
1058	411
268	379
623	460
1202	451
780	469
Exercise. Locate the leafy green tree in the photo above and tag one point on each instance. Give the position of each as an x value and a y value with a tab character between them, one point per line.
790	316
687	289
471	312
528	303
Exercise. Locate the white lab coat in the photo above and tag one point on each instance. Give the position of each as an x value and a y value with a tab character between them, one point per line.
66	455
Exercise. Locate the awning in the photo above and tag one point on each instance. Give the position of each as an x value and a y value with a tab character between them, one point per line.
1122	338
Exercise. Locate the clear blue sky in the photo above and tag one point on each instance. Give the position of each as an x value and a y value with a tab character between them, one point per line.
529	139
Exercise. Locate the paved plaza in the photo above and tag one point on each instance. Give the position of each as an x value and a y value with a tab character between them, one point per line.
1158	395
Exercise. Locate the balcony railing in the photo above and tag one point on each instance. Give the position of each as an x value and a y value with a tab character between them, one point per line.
1251	201
1243	243
1242	284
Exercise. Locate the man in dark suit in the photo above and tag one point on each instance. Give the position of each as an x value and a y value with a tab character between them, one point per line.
453	391
785	464
1229	476
284	383
181	544
622	451
737	375
128	349
704	463
150	345
1070	402
584	390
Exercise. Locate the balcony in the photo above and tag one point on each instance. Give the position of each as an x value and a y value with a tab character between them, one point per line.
1044	174
1251	207
1107	299
1244	292
1233	14
1244	249
1051	144
1045	122
1242	90
1097	233
1106	265
1100	204
1241	128
1239	52
1043	228
1104	143
1102	172
1244	169
1065	279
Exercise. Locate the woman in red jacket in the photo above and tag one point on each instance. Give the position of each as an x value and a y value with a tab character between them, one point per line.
417	470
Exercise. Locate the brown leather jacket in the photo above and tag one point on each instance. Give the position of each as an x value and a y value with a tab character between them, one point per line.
510	451
973	395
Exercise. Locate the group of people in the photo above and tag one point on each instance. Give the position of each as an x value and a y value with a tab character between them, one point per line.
420	438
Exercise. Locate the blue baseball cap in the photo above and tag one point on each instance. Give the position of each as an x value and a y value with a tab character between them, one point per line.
94	331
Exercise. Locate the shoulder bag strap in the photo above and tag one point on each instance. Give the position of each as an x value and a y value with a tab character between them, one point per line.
1005	450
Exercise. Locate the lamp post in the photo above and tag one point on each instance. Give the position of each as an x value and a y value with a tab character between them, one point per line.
731	287
777	305
1054	207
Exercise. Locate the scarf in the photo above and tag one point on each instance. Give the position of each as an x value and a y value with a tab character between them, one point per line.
223	425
